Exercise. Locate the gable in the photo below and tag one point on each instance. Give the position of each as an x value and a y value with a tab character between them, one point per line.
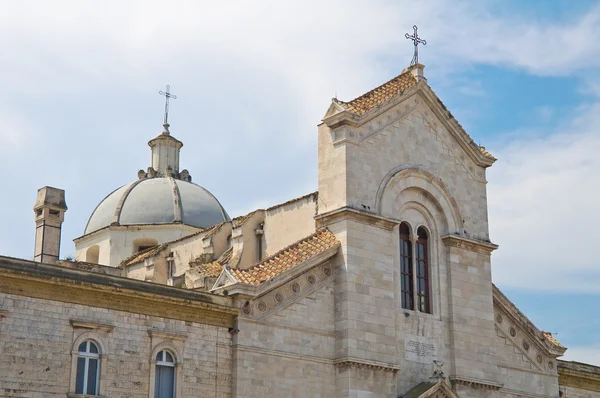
356	117
520	343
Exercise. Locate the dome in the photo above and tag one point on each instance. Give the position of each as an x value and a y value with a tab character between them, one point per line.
162	200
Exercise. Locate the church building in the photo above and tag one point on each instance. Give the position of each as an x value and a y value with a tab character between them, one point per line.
377	285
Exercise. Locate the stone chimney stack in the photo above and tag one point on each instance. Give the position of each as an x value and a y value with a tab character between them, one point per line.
49	208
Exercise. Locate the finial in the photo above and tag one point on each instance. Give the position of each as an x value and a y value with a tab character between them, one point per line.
417	40
167	95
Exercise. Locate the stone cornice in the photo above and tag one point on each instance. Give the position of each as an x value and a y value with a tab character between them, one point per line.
50	282
525	325
582	376
349	362
470	244
476	383
344	213
81	324
166	335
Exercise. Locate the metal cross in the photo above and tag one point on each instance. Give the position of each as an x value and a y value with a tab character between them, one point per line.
417	40
167	95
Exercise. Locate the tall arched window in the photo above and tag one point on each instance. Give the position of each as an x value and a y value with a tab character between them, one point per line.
88	368
406	267
164	385
423	299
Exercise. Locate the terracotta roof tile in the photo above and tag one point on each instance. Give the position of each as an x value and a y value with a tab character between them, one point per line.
143	255
214	268
378	95
285	259
239	221
551	339
210	270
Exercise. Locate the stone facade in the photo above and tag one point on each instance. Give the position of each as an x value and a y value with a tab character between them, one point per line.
306	298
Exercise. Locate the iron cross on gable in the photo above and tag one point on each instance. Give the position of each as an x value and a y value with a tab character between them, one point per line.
416	40
167	95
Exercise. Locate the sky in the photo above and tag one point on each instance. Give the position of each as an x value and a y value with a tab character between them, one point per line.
80	101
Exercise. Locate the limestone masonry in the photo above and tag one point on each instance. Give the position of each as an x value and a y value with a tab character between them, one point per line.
378	285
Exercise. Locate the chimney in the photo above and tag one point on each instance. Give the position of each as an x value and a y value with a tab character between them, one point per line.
49	208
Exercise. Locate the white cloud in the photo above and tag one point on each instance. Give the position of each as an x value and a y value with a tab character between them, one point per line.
544	208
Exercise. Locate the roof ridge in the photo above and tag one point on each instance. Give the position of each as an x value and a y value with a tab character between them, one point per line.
378	95
285	249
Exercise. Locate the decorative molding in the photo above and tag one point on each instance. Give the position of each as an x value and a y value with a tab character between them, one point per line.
292	291
344	213
365	364
476	383
282	354
469	244
153	333
81	324
578	375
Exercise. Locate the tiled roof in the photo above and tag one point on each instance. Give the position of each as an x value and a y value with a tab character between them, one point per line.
142	255
370	100
214	268
226	256
315	195
210	270
239	221
551	339
214	229
285	259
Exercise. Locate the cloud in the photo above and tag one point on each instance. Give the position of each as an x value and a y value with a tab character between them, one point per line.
544	209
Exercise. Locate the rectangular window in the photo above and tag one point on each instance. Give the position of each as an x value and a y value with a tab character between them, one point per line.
406	274
422	277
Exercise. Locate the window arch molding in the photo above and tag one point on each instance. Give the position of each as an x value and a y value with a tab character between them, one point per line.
178	358
98	340
407	177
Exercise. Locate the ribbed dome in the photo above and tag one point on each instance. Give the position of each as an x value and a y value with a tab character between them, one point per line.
162	200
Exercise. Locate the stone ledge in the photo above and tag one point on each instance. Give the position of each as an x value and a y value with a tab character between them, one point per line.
476	383
361	216
81	324
467	243
167	335
365	364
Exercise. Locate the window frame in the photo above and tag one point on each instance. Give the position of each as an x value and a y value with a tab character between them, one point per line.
172	348
426	308
94	336
166	364
405	242
428	243
88	356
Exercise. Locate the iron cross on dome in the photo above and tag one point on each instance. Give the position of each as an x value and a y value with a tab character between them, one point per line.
167	95
416	40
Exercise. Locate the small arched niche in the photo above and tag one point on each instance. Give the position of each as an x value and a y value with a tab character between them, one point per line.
92	254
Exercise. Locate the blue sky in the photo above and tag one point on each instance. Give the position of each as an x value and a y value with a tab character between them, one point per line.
80	102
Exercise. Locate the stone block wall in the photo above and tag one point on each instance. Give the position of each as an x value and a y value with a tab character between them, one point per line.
290	352
37	337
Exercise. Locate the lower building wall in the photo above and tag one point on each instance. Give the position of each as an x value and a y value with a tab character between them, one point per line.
265	374
574	392
39	339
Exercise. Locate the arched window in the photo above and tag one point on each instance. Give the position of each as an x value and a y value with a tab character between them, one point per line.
164	385
406	268
88	368
422	263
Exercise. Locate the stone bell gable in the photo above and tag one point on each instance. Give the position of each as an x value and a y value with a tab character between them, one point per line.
401	125
396	156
